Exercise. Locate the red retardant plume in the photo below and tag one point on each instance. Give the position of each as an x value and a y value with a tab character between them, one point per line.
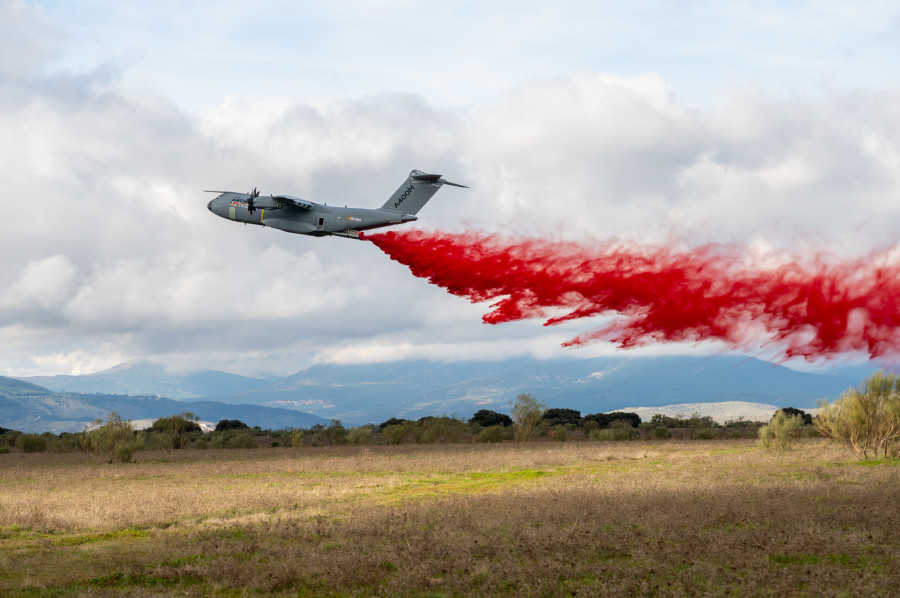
812	309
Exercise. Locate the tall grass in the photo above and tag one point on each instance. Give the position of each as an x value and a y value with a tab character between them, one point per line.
636	518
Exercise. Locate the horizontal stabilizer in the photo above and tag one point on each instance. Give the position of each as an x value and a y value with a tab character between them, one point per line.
423	177
419	176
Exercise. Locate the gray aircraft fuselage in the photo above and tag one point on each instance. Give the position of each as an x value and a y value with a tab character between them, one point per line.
296	215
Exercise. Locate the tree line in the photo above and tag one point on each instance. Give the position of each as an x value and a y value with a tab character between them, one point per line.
867	420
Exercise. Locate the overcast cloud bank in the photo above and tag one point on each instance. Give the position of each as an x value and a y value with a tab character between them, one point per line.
112	255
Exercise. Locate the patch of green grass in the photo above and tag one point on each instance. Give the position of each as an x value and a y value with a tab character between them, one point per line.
439	484
890	462
388	566
125	580
613	555
794	559
78	539
15	531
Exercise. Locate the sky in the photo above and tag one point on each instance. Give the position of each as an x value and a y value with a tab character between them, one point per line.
773	125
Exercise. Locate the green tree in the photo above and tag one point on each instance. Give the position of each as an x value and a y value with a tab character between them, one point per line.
231	424
394	421
804	416
526	412
866	419
557	416
169	432
605	419
487	418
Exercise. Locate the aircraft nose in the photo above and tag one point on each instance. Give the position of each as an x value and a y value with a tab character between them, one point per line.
209	206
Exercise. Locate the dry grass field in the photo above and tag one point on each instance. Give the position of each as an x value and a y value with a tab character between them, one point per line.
666	518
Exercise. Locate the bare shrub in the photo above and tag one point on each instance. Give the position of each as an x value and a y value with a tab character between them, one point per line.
66	442
778	433
618	430
332	435
232	439
491	434
441	430
559	433
589	426
526	413
33	443
358	436
110	441
395	433
296	438
866	419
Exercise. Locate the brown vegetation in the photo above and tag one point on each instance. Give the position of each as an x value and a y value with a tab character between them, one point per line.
587	518
866	419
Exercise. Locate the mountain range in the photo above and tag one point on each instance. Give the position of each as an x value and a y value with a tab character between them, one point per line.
371	393
28	407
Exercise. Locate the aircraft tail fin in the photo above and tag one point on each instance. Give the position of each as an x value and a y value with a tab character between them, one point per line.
415	192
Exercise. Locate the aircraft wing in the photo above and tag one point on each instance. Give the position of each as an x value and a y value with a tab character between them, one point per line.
296	201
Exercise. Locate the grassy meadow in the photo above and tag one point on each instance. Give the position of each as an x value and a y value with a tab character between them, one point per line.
645	518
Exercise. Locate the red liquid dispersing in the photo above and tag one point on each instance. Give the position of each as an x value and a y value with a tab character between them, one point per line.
811	309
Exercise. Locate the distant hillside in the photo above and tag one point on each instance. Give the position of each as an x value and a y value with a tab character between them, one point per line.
720	412
374	392
147	378
12	386
30	408
364	393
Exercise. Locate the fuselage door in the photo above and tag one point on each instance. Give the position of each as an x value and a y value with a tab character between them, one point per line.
320	223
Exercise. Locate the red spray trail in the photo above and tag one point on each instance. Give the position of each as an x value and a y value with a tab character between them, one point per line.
812	309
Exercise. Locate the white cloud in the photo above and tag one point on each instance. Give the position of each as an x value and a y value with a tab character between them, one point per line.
79	362
29	39
275	48
45	283
112	255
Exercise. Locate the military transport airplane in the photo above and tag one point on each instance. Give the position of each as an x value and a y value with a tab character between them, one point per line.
295	215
